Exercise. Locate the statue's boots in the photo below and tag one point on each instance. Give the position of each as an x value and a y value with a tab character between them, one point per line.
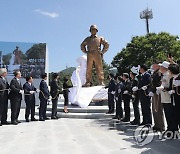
87	84
101	83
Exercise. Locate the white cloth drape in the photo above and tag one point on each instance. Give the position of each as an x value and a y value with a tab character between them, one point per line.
79	95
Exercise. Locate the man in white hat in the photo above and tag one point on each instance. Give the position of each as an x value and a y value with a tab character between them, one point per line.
157	108
165	96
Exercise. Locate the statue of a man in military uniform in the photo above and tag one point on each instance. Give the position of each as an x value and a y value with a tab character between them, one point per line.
17	53
92	47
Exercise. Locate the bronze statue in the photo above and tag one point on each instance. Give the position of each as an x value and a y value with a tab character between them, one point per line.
17	56
92	47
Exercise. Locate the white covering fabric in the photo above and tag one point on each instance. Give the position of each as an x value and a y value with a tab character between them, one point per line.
82	96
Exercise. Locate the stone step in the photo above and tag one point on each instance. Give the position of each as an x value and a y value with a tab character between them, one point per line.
75	109
82	115
91	112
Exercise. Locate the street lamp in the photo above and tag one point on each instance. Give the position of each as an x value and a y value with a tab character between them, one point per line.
146	14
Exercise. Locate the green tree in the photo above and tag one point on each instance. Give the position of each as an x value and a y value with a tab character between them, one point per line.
6	59
146	49
37	51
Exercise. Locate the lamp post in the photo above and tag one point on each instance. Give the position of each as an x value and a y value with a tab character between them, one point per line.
146	14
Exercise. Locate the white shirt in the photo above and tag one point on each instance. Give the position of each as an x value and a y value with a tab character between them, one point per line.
165	96
143	73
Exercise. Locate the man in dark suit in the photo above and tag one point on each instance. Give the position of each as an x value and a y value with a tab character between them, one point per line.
3	75
135	96
144	88
15	96
55	94
29	95
126	96
44	95
118	98
111	91
2	91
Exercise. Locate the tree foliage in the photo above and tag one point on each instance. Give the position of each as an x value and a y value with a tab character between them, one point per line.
146	49
6	59
37	51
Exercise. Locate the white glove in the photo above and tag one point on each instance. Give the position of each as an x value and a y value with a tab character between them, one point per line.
144	87
49	100
21	92
176	83
116	98
134	89
37	90
32	92
125	92
119	91
171	92
160	88
50	97
151	94
158	92
113	92
133	96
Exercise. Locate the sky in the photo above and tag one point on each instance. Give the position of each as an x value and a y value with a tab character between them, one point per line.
9	47
64	24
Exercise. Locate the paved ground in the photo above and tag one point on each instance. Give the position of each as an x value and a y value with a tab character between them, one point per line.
77	136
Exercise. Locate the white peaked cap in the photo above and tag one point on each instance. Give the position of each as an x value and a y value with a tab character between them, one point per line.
164	64
135	70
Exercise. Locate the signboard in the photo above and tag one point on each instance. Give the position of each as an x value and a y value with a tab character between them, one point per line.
29	58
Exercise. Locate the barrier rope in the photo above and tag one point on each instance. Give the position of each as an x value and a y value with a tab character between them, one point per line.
32	94
4	90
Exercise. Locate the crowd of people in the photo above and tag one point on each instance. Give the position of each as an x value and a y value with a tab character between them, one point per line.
161	88
158	93
15	91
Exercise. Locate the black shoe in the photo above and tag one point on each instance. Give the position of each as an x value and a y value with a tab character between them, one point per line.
34	119
5	123
57	117
46	118
53	117
0	124
14	123
41	119
108	112
141	124
18	121
125	120
115	117
27	120
111	112
135	123
119	118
